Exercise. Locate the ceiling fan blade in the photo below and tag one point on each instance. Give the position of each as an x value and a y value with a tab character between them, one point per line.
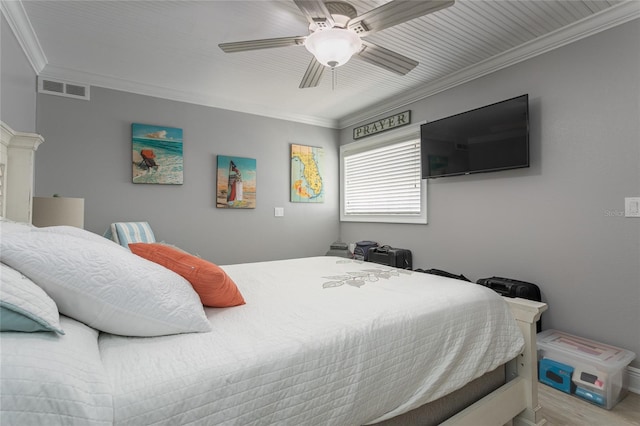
267	43
312	75
316	13
386	58
394	13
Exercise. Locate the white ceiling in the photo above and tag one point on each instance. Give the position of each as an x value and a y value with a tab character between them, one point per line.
170	49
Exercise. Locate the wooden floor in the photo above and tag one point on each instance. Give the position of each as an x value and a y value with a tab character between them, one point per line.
560	408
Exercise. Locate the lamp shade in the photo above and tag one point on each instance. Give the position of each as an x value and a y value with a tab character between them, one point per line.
334	46
53	211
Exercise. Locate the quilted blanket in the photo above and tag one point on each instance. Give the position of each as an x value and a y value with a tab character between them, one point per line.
320	341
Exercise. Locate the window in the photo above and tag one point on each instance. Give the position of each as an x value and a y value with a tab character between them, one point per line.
381	182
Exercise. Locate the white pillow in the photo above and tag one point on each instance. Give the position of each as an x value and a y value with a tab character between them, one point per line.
24	306
77	232
105	287
8	225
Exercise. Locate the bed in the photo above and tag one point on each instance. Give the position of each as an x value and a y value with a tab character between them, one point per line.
315	341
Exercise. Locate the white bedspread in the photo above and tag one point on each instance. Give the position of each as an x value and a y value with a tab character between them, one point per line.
320	341
47	379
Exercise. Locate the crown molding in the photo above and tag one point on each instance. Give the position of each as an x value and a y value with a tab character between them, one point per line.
19	23
16	16
586	27
66	74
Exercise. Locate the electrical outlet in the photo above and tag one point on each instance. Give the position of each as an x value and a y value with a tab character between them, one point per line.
278	211
632	207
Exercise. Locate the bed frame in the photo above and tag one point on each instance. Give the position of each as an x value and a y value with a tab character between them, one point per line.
17	153
516	400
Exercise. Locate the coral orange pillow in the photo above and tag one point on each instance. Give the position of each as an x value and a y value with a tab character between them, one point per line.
213	285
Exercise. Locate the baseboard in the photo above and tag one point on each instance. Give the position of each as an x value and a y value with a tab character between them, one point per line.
634	379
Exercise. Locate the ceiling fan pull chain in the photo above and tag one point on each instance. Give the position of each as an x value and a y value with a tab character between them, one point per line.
334	78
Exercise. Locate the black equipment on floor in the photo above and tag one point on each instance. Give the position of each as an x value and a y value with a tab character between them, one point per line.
361	252
513	288
442	273
386	255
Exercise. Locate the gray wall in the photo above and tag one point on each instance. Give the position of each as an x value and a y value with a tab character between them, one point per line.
17	83
87	153
555	224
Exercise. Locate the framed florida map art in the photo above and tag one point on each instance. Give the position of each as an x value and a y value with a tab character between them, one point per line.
157	154
236	183
307	185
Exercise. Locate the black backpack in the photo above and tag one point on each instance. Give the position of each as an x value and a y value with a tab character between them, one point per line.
361	252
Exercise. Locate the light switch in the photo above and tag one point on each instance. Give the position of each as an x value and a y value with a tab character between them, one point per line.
278	211
632	207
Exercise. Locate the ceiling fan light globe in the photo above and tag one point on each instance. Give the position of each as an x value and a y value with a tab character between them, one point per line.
333	47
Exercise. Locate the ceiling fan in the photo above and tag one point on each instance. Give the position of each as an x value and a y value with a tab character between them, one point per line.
336	32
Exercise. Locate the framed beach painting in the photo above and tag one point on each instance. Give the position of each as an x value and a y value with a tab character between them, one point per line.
157	154
307	185
236	186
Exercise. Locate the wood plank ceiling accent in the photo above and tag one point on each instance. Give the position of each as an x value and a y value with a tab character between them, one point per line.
169	49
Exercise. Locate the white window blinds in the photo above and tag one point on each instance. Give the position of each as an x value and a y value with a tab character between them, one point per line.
383	181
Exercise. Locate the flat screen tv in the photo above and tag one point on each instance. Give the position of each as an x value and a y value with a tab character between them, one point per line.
491	138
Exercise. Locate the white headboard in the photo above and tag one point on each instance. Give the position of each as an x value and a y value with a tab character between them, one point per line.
17	154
